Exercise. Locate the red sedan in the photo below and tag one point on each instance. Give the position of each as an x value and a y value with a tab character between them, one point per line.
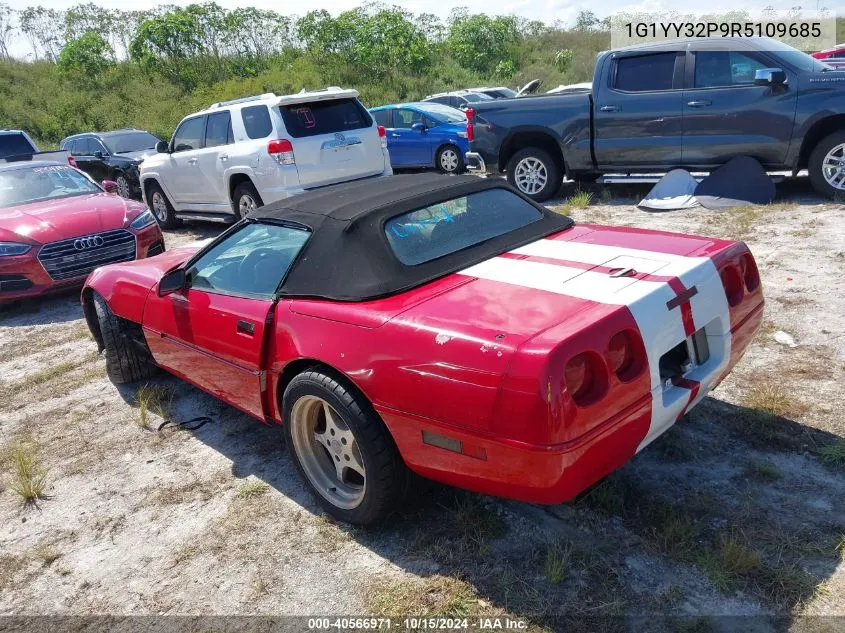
450	326
57	225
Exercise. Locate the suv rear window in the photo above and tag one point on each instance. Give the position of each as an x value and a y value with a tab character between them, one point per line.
14	145
425	234
324	117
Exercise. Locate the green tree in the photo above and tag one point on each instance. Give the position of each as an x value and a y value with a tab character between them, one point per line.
481	43
89	55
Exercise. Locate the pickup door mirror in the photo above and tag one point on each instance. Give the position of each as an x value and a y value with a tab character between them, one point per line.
172	281
99	154
109	185
769	77
419	126
162	147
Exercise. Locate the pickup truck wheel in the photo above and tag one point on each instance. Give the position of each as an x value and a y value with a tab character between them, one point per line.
342	449
127	356
534	173
826	166
449	160
246	200
161	207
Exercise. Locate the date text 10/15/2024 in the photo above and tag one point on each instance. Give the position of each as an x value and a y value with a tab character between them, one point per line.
417	624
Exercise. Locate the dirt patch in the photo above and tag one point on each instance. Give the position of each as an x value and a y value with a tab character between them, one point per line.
736	511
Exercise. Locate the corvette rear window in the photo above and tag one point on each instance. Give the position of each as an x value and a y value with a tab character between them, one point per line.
425	234
324	117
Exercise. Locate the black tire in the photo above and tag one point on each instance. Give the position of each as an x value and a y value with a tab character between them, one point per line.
164	214
127	359
387	477
459	165
814	165
554	177
245	190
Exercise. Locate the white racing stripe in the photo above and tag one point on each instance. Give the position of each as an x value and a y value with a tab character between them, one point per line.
661	328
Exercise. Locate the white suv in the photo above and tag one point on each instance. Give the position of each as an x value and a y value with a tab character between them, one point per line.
237	155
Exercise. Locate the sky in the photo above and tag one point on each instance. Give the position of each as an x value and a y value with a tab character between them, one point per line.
548	11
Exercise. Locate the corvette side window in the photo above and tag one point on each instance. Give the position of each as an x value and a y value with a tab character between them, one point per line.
249	263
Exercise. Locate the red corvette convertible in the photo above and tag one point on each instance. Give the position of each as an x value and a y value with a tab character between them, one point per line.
57	225
449	326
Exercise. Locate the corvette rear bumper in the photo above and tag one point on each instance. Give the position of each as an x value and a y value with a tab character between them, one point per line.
537	473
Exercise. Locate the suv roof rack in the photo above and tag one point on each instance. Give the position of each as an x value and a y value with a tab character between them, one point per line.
220	104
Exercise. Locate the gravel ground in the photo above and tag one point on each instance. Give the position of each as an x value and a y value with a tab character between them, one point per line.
737	511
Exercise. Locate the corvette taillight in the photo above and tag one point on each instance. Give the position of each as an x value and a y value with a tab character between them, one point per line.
750	274
733	284
470	112
625	355
282	151
586	378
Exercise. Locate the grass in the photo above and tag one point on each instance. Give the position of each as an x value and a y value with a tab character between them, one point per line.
578	200
153	399
675	445
833	455
558	562
771	397
606	497
252	489
29	479
442	596
47	554
763	471
729	562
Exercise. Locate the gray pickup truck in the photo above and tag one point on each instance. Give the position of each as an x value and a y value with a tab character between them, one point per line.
685	103
16	145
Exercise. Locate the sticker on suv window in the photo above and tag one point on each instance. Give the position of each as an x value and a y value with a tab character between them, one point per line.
306	117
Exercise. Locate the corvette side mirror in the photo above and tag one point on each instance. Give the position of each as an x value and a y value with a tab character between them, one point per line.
162	147
172	281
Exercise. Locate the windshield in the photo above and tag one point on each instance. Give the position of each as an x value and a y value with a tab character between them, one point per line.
473	97
33	184
133	142
505	92
420	236
14	145
796	58
442	112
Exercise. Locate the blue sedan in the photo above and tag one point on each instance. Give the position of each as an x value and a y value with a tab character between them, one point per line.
424	135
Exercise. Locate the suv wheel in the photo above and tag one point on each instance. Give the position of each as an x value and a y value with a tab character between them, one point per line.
246	200
449	160
826	166
161	207
534	173
123	187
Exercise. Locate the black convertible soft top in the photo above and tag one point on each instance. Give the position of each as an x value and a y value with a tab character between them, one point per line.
348	257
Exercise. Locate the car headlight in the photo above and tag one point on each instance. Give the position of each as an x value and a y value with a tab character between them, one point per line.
145	219
13	248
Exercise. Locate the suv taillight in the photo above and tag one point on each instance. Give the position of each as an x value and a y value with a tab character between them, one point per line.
282	151
71	161
470	112
382	134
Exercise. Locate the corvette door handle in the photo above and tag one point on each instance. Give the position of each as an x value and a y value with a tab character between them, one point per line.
699	104
192	161
245	327
395	135
609	108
